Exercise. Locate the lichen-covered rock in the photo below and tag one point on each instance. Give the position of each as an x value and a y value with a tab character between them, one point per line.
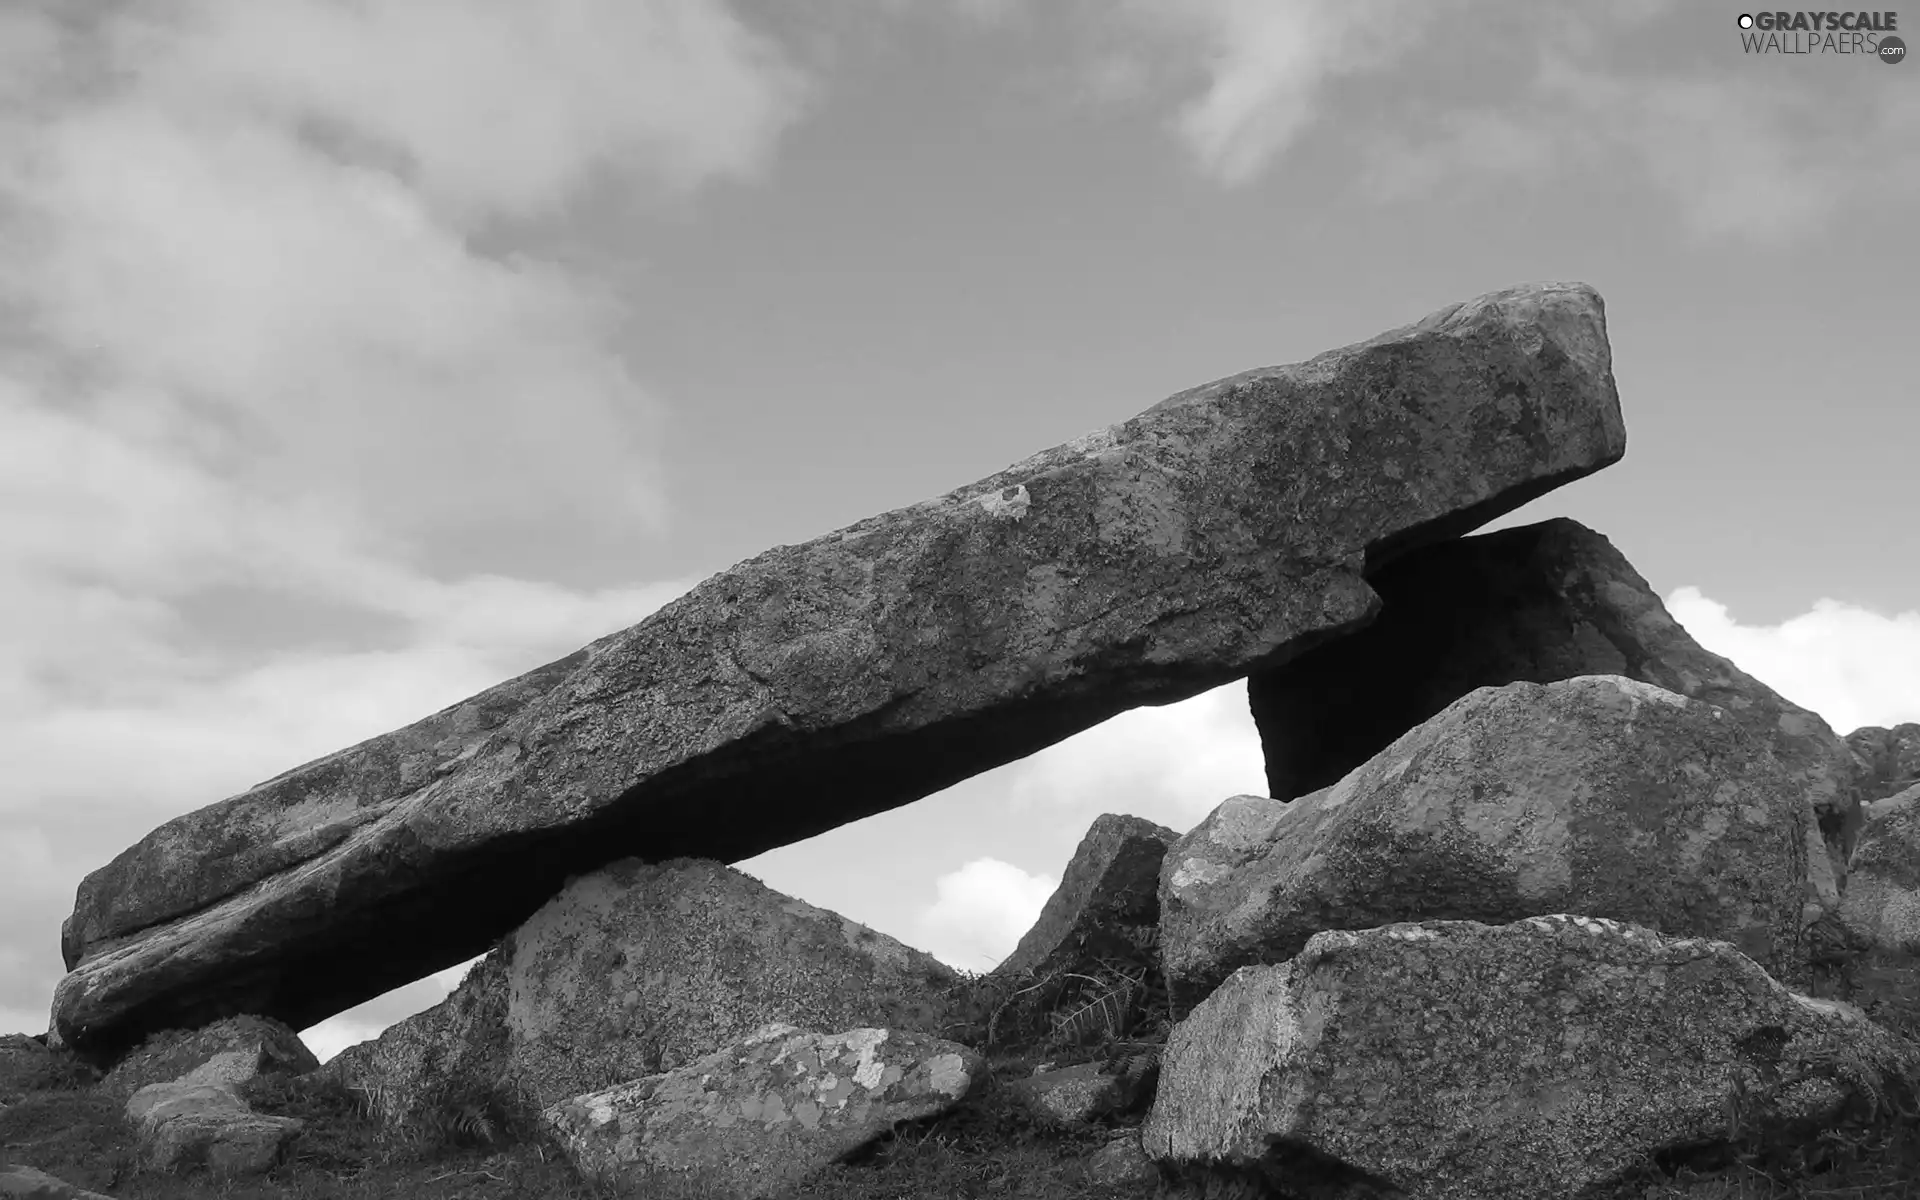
1109	890
1536	604
1599	794
248	1045
764	1113
638	968
26	1183
196	1122
1223	529
1887	761
453	1052
1459	1061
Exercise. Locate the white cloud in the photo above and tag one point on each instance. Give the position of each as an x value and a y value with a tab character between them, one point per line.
1268	64
1851	665
981	911
1172	764
1739	156
278	336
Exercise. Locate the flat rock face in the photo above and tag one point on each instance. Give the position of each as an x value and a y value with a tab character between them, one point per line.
1222	531
1111	885
1600	794
1459	1061
639	968
1535	604
759	1116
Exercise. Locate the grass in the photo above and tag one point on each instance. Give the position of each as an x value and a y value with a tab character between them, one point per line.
487	1147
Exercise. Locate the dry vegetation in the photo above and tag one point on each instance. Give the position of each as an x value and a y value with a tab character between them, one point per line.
486	1147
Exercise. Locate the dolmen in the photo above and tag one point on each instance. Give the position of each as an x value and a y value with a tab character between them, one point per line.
1537	879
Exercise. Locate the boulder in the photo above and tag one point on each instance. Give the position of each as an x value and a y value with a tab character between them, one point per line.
1536	604
247	1045
1453	1060
1109	890
199	1120
759	1116
1599	794
639	968
1886	761
1122	1163
1083	1093
26	1183
1881	912
636	969
1222	531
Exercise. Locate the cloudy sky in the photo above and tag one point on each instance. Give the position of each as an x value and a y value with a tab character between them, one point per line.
355	356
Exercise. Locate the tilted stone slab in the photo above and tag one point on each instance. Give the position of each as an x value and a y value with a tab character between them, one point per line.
1452	1060
1599	794
1223	530
1536	604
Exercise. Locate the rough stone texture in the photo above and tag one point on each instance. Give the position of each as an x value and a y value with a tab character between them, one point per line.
458	1047
1460	1061
1220	532
196	1121
250	1045
1881	911
638	968
26	1183
1600	794
1885	904
764	1113
1111	884
1535	604
1078	1095
1886	760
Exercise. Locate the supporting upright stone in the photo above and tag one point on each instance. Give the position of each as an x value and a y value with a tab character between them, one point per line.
1537	604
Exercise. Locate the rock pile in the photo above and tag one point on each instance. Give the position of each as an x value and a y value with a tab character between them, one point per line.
1539	879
